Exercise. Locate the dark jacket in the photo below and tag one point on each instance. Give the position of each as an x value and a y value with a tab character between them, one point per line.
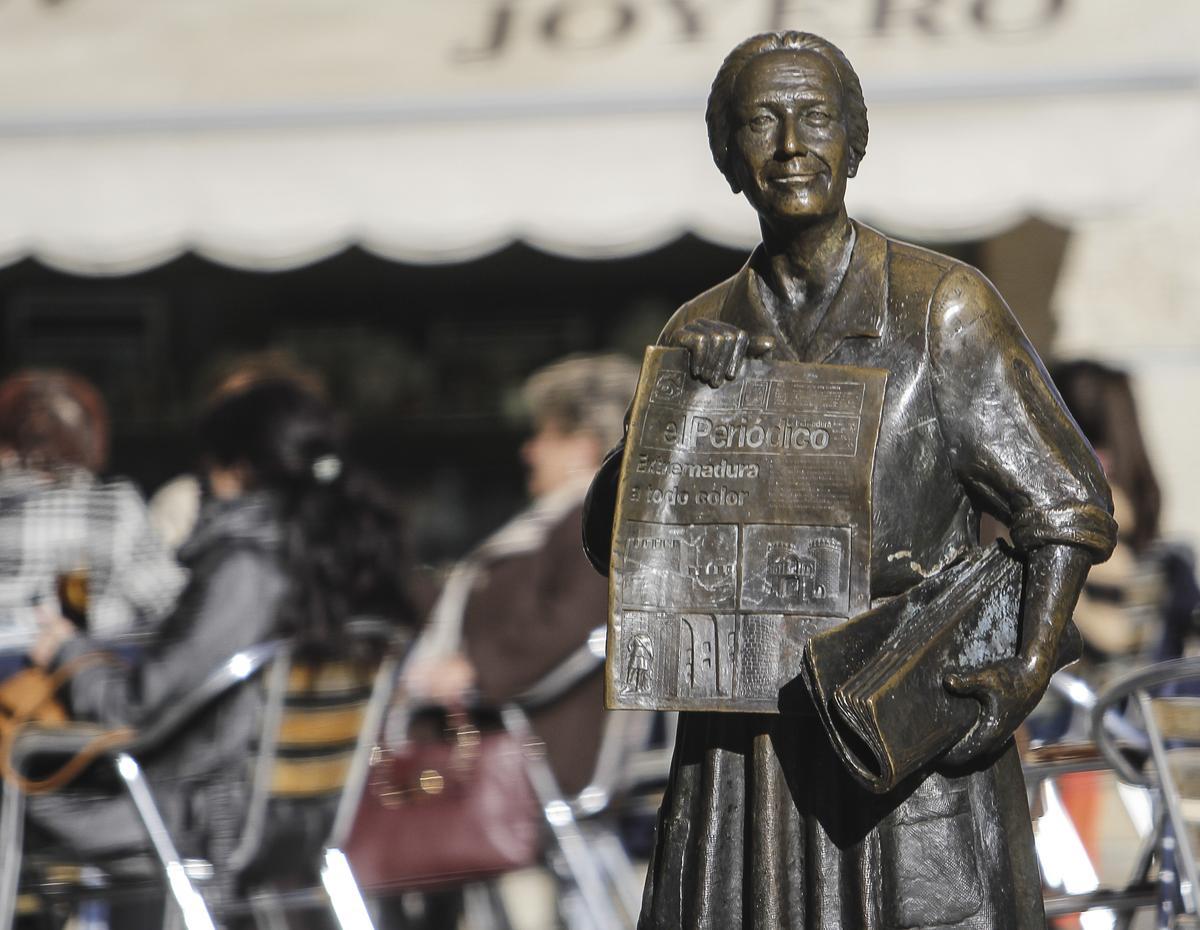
528	613
201	777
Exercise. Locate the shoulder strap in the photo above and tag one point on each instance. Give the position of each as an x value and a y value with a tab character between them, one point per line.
92	750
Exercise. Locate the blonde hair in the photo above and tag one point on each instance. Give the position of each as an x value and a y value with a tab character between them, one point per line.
584	393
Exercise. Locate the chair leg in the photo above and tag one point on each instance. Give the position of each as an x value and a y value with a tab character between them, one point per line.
621	874
12	831
344	895
1187	869
267	912
565	829
191	904
172	918
483	907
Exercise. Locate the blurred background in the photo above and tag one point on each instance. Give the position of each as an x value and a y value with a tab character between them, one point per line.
421	202
427	200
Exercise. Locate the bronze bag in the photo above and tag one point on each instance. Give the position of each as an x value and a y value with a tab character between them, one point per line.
445	811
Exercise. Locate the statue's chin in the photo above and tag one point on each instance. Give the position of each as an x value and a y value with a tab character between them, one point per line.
801	206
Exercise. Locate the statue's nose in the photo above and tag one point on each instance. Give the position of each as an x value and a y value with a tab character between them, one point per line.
791	144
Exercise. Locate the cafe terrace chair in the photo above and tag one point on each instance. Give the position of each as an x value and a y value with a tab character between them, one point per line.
1168	724
317	730
602	888
1069	874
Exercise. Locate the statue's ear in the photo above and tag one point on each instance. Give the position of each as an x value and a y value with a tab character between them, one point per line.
852	166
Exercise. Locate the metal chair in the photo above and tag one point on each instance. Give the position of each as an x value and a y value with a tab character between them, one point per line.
1170	731
336	734
599	886
1043	766
587	851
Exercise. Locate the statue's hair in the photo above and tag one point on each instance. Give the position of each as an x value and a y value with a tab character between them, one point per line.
719	115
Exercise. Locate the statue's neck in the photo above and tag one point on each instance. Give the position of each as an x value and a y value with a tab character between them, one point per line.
804	264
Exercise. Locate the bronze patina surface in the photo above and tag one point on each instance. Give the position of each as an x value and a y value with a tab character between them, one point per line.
761	825
743	527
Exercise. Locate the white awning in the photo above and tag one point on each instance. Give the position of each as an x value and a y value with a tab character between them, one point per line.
270	133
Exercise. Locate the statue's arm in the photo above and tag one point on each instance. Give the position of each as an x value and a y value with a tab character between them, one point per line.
600	508
1008	691
1019	453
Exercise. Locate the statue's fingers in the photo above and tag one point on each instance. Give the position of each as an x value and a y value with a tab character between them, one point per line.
681	336
710	372
707	333
964	684
722	348
760	346
690	340
716	372
977	739
736	354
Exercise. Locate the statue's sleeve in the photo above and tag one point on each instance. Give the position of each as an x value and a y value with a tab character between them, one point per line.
1011	440
600	508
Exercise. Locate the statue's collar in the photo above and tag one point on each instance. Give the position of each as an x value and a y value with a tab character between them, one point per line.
857	309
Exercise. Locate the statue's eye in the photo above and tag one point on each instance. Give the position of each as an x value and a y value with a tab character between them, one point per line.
762	121
817	117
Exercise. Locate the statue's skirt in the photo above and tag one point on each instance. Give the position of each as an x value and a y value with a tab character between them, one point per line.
762	827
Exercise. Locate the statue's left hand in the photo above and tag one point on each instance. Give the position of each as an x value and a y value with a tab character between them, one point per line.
1006	691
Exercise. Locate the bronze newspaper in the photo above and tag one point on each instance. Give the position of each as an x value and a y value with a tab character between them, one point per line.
743	526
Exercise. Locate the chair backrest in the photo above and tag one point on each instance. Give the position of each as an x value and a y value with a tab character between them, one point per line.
1141	684
319	720
1171	724
625	757
318	727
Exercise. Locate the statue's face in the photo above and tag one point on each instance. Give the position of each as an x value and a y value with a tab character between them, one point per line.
790	152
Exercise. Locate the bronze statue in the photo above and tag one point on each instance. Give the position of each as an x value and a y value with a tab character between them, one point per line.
762	826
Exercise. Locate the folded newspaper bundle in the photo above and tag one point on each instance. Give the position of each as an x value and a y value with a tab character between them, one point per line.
878	681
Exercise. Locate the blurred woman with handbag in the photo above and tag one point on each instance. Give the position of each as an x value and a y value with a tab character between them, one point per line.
526	597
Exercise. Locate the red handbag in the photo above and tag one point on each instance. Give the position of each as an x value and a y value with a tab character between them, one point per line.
438	813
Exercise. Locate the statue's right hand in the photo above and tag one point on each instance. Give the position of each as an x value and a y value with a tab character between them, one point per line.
717	349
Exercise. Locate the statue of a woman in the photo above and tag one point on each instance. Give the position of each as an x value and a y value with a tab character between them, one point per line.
761	826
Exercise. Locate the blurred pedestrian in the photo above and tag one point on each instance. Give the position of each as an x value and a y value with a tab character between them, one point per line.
526	598
59	521
1140	605
294	542
175	507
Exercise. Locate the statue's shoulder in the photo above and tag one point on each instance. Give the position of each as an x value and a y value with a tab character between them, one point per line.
932	284
963	315
915	268
705	306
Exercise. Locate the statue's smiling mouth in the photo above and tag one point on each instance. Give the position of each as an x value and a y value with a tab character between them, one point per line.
796	172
